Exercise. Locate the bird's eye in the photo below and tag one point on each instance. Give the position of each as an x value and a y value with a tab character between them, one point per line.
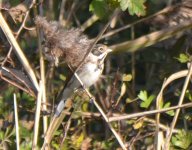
101	49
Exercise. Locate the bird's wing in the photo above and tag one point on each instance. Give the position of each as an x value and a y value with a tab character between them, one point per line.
66	93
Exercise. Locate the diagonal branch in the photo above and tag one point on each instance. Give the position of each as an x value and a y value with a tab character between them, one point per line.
19	52
151	39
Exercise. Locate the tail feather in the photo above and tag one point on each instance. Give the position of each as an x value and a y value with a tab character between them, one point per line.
60	108
66	93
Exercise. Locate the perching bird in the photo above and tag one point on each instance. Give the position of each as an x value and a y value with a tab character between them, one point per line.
71	46
89	72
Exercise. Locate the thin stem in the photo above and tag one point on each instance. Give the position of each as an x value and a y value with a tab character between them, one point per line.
103	115
37	116
62	11
42	73
151	38
133	62
4	26
179	104
158	104
16	122
19	31
147	113
115	31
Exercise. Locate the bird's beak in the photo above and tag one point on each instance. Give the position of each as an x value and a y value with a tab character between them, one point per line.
109	50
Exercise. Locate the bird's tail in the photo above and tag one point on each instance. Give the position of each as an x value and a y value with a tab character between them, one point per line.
60	108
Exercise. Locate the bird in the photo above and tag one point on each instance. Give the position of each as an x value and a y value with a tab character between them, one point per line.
89	73
72	46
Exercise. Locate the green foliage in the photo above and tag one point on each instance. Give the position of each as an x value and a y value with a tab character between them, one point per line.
56	146
188	117
26	144
6	101
183	58
62	77
77	140
8	94
167	105
103	8
146	100
135	7
26	100
6	137
182	139
99	7
105	145
151	66
188	95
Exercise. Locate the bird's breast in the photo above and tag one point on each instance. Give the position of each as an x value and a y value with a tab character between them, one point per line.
90	73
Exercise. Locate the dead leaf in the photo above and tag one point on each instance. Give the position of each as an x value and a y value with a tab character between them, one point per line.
18	12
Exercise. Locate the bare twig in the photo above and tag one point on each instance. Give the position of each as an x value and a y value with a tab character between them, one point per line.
113	32
17	76
42	73
89	22
37	116
173	77
66	129
162	126
62	12
147	113
71	11
158	107
133	62
150	39
16	122
18	50
54	124
19	31
187	80
9	79
103	115
49	135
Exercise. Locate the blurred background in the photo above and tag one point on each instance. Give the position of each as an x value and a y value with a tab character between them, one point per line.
151	40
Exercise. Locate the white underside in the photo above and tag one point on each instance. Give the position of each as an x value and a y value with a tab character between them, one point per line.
90	76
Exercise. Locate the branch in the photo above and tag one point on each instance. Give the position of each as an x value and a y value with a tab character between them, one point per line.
7	31
151	39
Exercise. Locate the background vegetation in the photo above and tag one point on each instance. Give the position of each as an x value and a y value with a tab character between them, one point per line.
145	90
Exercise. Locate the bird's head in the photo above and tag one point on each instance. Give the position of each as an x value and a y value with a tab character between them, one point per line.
101	51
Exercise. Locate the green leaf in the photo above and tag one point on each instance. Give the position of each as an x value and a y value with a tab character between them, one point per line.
143	95
183	58
124	4
62	77
182	139
134	6
146	100
99	7
77	140
188	95
2	134
171	112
